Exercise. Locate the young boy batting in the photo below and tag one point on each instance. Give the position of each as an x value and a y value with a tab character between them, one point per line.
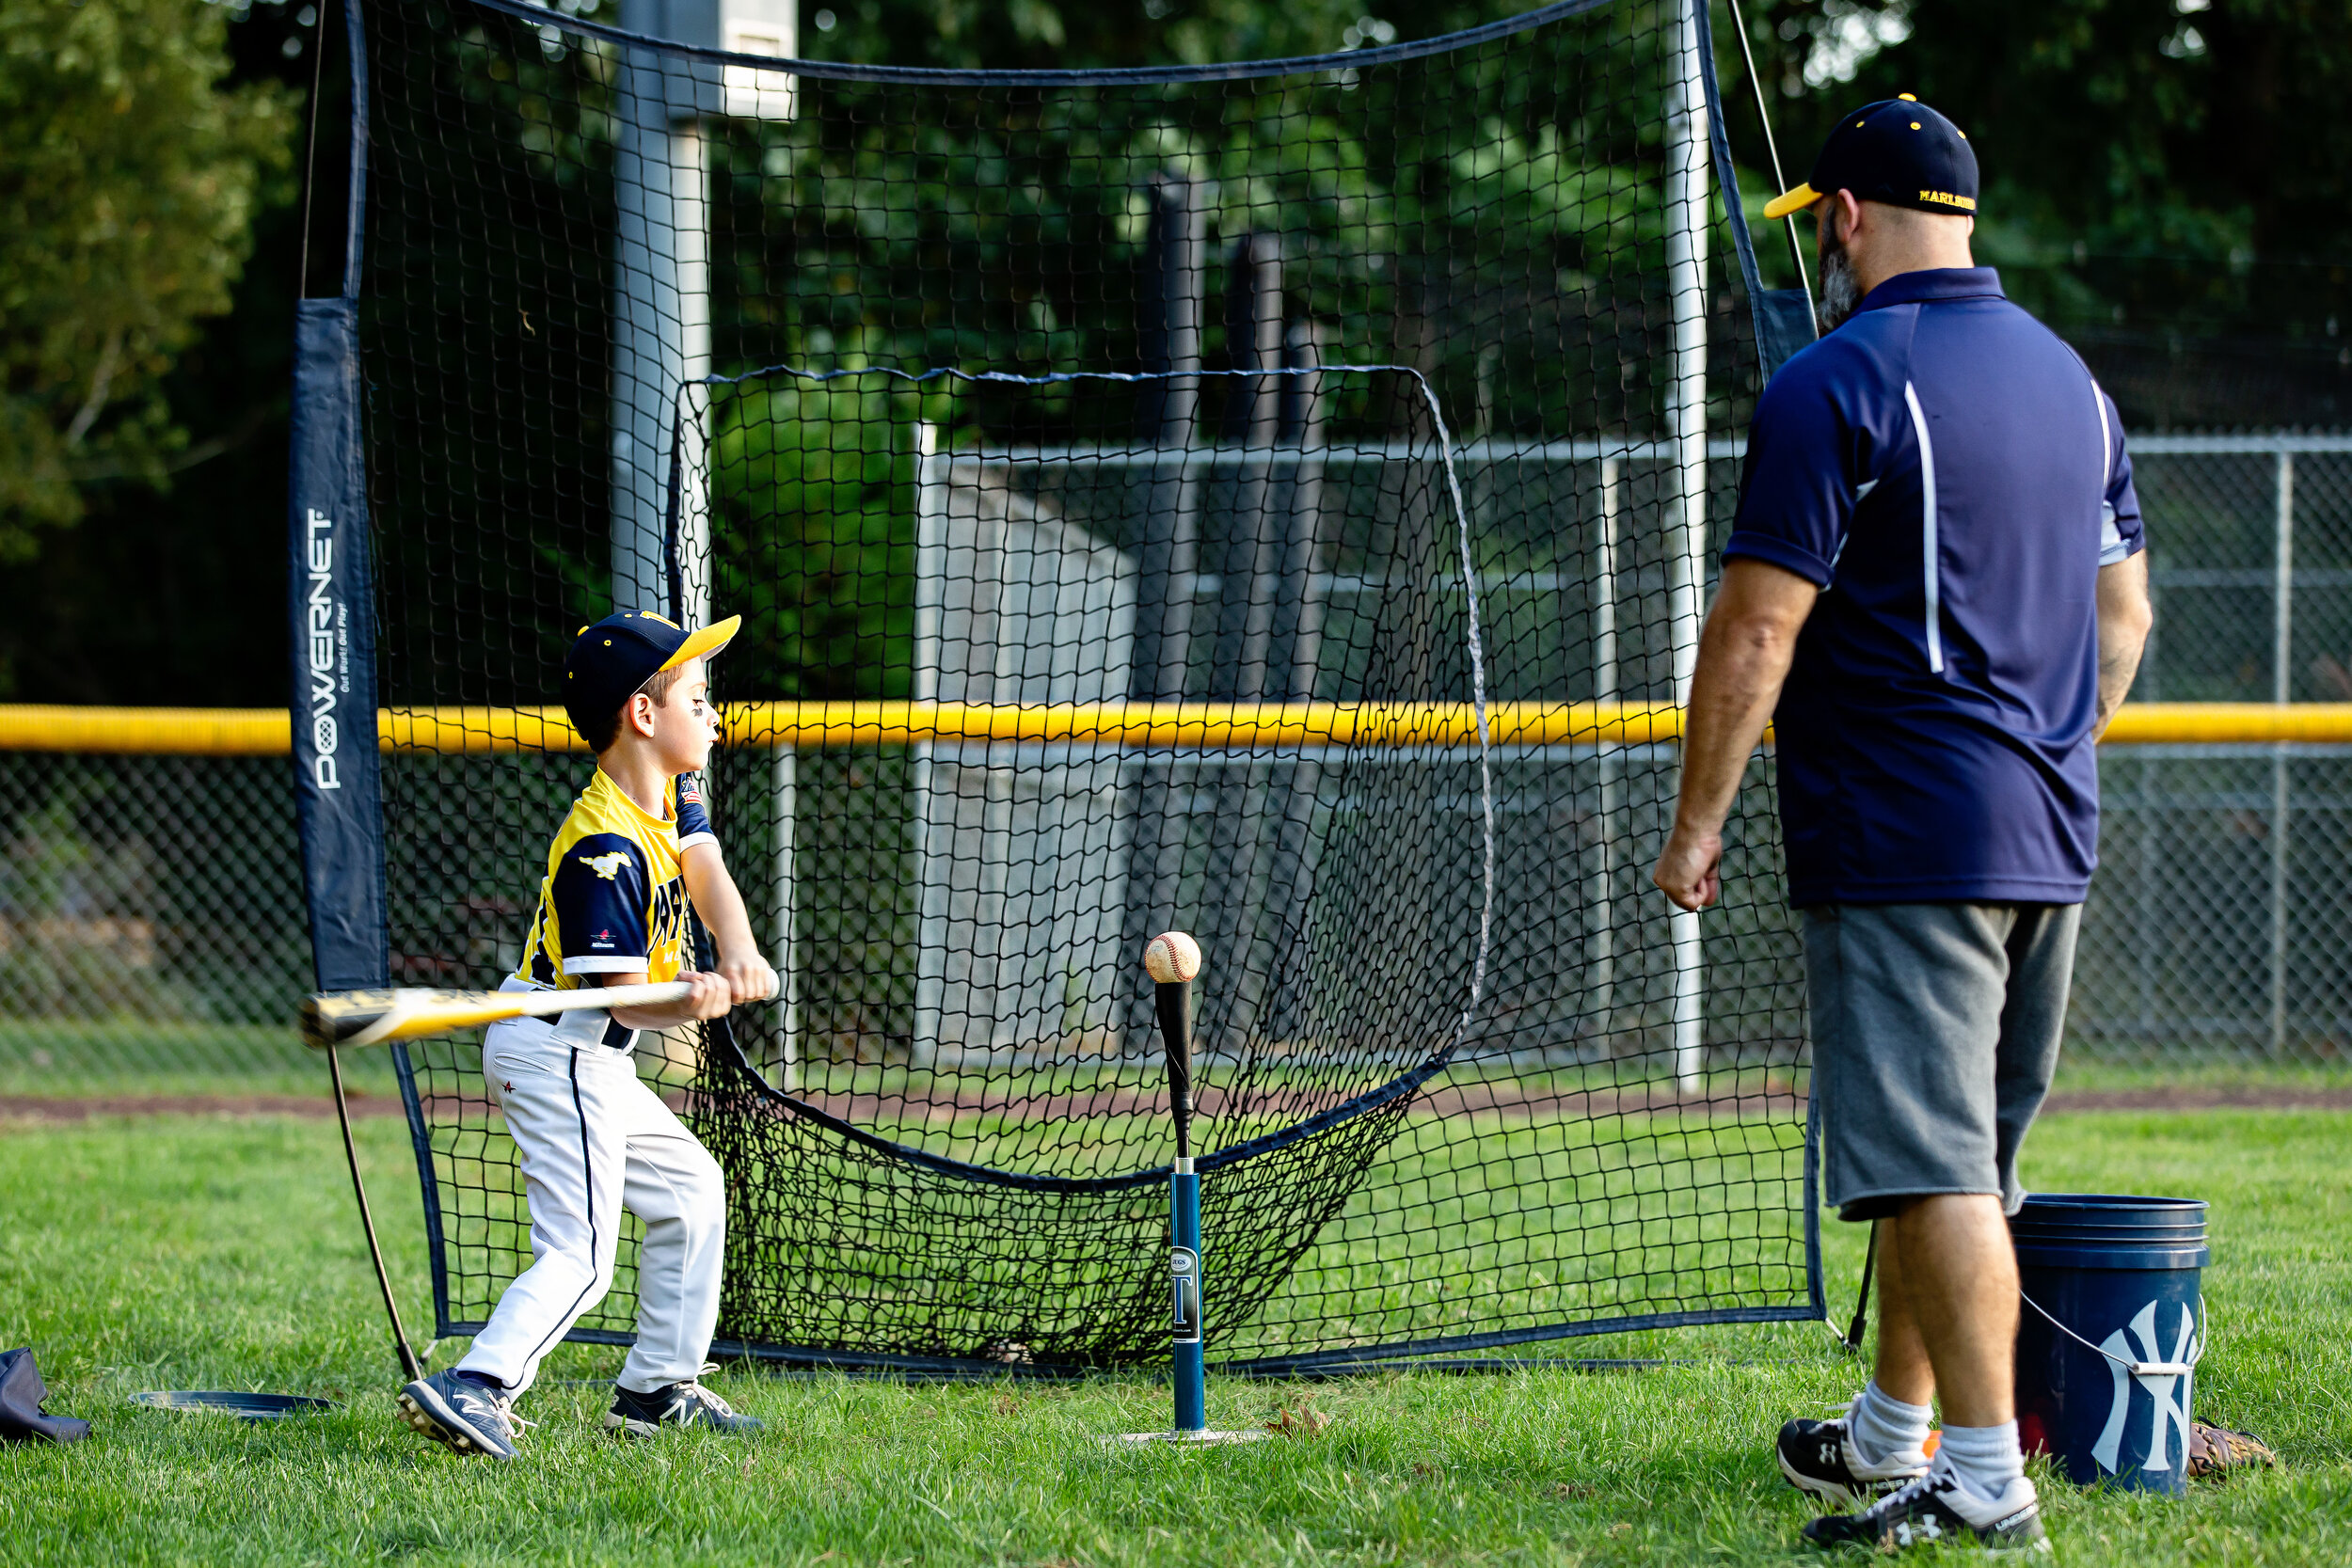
635	849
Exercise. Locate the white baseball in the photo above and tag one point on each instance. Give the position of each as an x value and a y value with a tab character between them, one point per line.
1171	955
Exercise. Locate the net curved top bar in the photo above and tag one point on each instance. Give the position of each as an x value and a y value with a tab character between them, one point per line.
1229	71
1409	1073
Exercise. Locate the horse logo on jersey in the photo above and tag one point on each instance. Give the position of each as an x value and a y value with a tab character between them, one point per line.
607	867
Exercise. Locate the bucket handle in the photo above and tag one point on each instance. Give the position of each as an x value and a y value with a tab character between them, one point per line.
2137	1369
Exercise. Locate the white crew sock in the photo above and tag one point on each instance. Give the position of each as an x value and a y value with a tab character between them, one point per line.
1986	1460
1888	1435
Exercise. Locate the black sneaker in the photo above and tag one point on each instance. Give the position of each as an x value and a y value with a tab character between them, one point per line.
1925	1513
681	1404
1820	1457
461	1412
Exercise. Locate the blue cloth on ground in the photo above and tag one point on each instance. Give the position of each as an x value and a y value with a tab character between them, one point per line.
22	1393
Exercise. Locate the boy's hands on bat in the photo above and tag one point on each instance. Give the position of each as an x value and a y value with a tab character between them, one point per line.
749	976
710	998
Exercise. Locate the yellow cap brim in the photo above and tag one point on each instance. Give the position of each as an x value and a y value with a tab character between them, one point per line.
706	642
1790	201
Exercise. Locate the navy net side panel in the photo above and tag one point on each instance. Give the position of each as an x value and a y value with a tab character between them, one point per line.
1271	501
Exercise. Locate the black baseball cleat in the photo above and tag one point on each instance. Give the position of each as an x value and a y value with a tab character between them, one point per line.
681	1404
1820	1457
1926	1513
460	1413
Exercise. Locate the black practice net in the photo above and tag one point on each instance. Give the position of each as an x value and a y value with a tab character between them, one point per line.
1271	501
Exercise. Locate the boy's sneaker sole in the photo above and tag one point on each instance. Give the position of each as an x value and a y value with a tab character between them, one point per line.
424	1410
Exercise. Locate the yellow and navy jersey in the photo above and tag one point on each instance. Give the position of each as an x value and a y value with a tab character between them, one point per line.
614	900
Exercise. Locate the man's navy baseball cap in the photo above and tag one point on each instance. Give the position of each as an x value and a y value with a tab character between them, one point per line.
609	661
1899	151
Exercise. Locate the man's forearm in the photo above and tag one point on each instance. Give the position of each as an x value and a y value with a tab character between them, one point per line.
1738	682
2125	618
2119	665
1745	649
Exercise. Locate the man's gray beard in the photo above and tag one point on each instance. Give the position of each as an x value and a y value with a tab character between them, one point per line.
1840	291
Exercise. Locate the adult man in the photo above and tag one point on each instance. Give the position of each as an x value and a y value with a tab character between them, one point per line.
1934	589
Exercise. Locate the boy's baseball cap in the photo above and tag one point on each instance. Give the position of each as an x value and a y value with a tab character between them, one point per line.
609	661
1899	151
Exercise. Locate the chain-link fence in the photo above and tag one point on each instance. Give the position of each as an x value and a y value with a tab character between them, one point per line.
151	922
2220	927
151	932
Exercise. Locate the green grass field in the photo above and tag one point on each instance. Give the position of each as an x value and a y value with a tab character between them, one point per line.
70	1059
219	1253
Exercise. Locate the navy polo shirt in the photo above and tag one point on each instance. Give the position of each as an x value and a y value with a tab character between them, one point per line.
1951	476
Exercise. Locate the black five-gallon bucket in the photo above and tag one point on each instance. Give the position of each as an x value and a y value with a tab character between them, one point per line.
2113	1324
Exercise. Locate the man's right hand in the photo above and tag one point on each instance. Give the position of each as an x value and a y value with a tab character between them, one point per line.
1690	868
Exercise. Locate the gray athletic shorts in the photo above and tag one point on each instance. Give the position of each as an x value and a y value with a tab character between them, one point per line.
1935	1031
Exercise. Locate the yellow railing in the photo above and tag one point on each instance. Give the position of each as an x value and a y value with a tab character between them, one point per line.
265	732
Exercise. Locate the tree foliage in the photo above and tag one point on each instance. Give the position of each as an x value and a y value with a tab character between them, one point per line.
127	195
2160	176
2148	129
1041	34
2191	151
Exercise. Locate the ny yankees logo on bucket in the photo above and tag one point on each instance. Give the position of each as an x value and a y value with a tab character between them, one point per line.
2169	1392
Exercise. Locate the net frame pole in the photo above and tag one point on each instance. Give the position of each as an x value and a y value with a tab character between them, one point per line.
932	891
2282	652
1686	263
783	773
661	333
1608	679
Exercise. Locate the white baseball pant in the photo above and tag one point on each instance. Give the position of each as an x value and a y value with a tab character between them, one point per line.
594	1139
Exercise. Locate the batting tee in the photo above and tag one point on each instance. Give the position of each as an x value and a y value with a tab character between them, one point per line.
1267	499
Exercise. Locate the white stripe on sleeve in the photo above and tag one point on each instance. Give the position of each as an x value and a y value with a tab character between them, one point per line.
1928	547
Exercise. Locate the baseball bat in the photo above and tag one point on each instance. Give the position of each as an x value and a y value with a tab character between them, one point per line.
376	1017
1174	1002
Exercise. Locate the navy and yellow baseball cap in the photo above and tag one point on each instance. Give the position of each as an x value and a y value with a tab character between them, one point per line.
1899	151
609	661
